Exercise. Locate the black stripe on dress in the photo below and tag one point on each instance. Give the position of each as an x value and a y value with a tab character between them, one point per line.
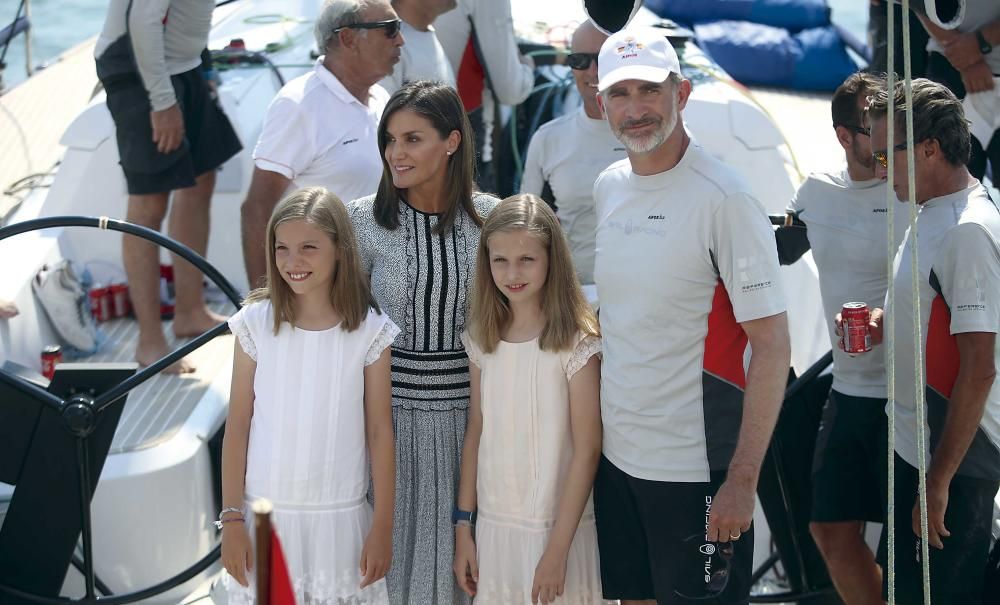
443	293
430	285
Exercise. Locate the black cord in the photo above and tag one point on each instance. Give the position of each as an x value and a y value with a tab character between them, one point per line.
17	16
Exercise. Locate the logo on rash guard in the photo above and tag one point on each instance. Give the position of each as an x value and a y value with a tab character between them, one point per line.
707	549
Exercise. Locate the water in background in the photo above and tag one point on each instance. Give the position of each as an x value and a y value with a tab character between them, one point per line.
62	24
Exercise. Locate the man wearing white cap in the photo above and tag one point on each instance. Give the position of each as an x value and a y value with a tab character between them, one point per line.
686	423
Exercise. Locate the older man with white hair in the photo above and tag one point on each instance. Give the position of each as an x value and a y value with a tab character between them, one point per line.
320	129
685	427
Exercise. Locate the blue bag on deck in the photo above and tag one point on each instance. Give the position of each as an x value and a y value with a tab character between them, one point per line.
813	59
795	15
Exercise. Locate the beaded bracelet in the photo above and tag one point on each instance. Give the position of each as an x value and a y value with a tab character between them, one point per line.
218	524
230	509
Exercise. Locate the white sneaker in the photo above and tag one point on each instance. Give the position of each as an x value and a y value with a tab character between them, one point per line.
64	299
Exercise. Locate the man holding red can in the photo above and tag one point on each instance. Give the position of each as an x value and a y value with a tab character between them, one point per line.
958	274
844	215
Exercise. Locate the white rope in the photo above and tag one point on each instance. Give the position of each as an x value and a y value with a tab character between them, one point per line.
918	358
890	341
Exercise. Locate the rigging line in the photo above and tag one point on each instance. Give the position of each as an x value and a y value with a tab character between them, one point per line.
17	15
890	342
918	359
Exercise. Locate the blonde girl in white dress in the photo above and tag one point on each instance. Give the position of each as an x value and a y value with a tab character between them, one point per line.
533	438
309	412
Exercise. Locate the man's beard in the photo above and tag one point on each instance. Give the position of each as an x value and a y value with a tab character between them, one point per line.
864	159
651	141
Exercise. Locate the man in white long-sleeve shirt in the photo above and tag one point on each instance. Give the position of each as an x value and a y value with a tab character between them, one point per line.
478	38
172	136
422	57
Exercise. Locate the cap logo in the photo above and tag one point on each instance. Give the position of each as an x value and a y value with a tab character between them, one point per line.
630	48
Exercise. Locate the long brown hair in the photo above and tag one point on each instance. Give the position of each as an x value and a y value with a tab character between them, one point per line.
349	292
566	309
441	106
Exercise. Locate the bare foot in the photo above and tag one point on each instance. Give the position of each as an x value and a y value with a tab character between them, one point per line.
7	309
195	323
147	356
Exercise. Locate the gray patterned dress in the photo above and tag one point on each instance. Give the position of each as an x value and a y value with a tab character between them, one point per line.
422	280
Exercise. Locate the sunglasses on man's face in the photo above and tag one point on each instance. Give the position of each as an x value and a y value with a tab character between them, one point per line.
719	578
857	129
391	27
580	61
883	158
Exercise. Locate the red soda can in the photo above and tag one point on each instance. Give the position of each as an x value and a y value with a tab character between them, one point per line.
857	338
100	303
51	355
119	300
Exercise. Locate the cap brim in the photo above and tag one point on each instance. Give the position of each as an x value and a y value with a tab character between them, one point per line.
633	72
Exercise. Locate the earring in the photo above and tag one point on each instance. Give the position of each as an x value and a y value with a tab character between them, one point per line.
448	153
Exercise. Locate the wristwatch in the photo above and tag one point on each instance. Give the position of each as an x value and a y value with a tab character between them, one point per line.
463	516
984	46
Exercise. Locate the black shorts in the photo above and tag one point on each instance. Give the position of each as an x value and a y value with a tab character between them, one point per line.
850	460
209	138
956	570
651	536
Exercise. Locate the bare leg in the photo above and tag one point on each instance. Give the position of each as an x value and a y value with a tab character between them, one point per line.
189	224
142	266
852	565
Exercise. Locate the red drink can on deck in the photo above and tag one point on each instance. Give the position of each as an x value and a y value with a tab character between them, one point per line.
857	338
51	355
119	300
101	303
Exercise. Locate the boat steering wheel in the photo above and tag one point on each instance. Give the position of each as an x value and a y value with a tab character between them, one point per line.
81	413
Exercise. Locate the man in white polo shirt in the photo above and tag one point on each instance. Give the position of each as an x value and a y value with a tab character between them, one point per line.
846	214
566	155
687	274
320	129
958	245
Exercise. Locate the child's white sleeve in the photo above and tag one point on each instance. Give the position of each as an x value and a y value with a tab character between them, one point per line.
586	347
383	339
475	355
240	329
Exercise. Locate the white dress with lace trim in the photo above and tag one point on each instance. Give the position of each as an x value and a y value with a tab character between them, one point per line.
306	451
524	457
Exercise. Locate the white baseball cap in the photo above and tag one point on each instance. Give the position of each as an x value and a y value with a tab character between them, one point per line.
637	53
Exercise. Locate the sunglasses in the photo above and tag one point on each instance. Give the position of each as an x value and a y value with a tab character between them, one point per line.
580	61
391	27
719	578
883	158
858	129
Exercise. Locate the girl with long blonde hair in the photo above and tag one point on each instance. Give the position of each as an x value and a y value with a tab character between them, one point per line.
533	439
309	407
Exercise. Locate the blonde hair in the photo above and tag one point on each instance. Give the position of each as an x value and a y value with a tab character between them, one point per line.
564	306
349	292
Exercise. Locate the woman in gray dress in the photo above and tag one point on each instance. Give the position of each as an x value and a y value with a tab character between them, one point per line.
418	238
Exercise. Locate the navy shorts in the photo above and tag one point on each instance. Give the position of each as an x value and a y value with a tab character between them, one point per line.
957	570
850	460
651	536
209	138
